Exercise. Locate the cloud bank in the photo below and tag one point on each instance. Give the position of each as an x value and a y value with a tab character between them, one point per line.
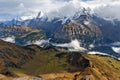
74	45
57	8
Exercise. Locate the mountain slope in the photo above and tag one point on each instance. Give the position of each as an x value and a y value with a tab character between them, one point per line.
13	55
52	63
22	34
98	68
109	28
82	28
79	65
6	30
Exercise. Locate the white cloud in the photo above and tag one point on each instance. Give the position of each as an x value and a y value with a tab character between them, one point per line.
39	42
95	52
119	59
9	39
74	45
101	53
21	5
104	8
116	49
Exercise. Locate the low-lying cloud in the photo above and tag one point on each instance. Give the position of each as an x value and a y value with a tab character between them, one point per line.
101	53
74	45
95	52
116	49
40	43
9	39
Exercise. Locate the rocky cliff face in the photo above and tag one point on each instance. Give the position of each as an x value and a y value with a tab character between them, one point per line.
83	28
110	29
6	30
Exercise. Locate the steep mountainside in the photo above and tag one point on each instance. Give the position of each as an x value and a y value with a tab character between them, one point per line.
12	55
6	30
82	28
47	26
51	63
22	34
109	28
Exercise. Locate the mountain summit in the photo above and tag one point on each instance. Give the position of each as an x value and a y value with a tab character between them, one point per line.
40	14
82	27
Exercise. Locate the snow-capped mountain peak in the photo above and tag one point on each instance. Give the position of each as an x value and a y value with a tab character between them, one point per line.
87	12
83	11
40	14
28	17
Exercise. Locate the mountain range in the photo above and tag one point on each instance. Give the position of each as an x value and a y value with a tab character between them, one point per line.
82	18
85	26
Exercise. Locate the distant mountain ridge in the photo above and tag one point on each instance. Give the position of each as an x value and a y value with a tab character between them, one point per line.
41	21
84	26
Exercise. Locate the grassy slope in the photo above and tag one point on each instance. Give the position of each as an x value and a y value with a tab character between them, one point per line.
50	61
45	63
105	66
13	55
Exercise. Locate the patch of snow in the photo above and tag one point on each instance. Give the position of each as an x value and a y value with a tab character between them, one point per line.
86	22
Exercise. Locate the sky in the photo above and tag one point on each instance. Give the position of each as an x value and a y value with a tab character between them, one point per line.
10	9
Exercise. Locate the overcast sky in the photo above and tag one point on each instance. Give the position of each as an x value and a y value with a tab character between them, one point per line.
10	9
